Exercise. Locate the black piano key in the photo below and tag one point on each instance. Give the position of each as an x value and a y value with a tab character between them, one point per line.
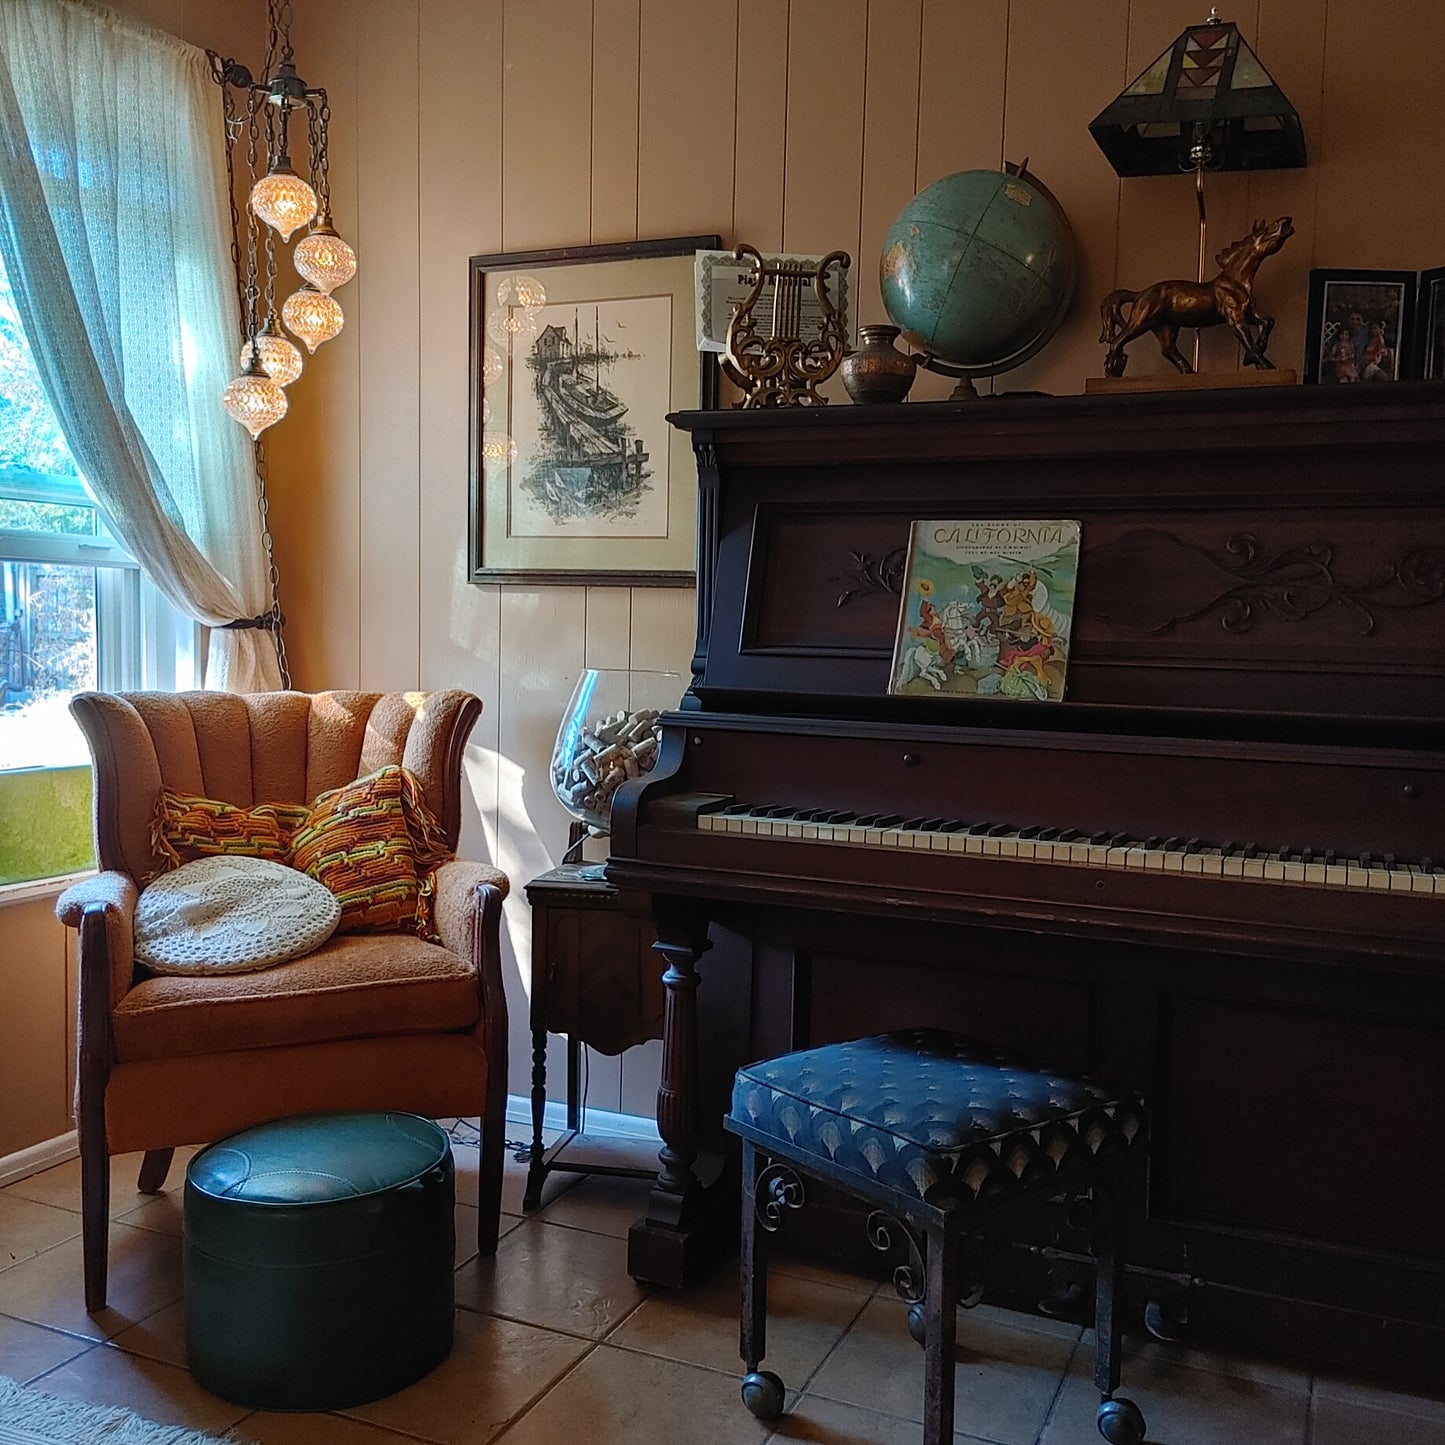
833	815
999	830
1154	842
1069	835
979	829
1120	840
1307	855
1102	836
1390	861
1050	835
806	815
1229	848
1193	845
866	820
1173	845
911	825
931	825
736	809
1367	860
1031	832
889	820
1252	850
953	825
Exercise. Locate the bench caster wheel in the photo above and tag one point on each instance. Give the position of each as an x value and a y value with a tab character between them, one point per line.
918	1323
763	1394
1121	1422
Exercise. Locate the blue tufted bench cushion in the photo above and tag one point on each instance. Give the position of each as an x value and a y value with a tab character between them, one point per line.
931	1114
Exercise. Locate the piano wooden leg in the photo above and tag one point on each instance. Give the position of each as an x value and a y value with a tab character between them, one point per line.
679	1234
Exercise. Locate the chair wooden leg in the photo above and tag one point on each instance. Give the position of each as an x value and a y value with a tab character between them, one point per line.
153	1170
94	1213
491	1154
1120	1421
939	1349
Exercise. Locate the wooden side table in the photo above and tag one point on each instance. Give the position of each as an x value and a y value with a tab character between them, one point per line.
596	979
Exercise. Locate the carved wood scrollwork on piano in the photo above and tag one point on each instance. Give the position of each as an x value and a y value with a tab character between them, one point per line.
867	575
1123	583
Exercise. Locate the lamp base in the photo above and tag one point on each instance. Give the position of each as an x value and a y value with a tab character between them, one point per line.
1192	380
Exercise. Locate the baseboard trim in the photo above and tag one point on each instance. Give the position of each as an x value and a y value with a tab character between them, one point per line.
45	1155
598	1121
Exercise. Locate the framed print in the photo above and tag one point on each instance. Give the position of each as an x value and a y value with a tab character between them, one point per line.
577	356
1359	327
1430	323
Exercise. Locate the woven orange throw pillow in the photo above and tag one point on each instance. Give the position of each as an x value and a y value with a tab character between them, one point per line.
187	827
373	843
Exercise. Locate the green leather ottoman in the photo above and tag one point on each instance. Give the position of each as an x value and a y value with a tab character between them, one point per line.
318	1259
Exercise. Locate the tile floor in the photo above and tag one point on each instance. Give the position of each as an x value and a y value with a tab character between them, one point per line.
554	1340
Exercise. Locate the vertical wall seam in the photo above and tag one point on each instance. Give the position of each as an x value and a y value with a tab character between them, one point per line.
360	365
787	80
420	490
592	137
737	102
637	165
918	90
1003	100
862	161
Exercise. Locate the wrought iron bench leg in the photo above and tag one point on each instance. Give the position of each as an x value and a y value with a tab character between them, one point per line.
762	1390
1120	1421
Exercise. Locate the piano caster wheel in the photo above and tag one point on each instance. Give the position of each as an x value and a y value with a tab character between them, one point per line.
918	1323
763	1395
1120	1422
1165	1324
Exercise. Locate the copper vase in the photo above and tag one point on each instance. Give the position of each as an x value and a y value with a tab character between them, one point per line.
878	371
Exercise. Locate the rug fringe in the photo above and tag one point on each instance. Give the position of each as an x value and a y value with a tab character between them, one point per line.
39	1417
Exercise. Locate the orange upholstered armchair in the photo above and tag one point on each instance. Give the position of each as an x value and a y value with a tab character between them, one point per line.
367	1021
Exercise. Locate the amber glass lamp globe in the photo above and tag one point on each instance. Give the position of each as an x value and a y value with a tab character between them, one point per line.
282	199
324	259
312	317
254	400
279	359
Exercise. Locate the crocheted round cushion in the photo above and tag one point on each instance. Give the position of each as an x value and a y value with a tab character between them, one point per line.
231	915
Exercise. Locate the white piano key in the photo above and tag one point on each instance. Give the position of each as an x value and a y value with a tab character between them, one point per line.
1294	872
1316	873
1173	861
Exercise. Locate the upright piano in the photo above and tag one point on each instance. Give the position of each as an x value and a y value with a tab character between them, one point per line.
1215	872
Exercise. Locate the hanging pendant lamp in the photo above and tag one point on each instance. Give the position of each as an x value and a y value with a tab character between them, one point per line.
280	360
254	400
323	258
312	317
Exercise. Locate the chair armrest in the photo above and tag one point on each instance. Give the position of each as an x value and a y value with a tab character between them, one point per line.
108	951
467	915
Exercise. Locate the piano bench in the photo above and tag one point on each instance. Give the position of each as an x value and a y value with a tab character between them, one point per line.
940	1134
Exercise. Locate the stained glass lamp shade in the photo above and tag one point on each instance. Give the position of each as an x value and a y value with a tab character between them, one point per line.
1208	90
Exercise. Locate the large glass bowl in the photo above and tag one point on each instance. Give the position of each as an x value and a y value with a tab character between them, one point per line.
609	734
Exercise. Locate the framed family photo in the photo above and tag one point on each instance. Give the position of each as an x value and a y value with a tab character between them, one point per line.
577	356
1360	326
1430	349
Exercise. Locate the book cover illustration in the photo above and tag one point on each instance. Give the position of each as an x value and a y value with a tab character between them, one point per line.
987	610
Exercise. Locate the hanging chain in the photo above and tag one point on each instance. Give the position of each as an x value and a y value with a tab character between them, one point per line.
273	576
278	12
247	292
321	152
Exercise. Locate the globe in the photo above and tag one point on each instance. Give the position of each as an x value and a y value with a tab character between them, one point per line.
978	270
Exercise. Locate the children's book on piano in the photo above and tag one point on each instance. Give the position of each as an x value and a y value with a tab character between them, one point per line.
987	610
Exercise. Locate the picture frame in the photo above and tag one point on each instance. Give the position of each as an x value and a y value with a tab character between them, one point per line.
1360	326
1430	326
578	353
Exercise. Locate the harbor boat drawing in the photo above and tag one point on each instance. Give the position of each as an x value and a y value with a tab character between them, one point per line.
589	463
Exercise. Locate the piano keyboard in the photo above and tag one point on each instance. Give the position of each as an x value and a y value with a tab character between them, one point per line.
1307	867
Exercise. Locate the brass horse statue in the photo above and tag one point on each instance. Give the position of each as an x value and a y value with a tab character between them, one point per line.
1226	300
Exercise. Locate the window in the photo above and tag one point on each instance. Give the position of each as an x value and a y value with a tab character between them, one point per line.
75	610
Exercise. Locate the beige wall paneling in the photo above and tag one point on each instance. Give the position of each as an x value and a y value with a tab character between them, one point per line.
760	135
1379	197
890	140
1290	41
685	120
664	629
315	453
388	92
609	627
616	45
1054	91
961	87
546	124
961	76
543	648
230	30
822	199
34	1048
460	170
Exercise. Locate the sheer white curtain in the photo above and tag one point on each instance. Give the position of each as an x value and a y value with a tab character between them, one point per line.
114	228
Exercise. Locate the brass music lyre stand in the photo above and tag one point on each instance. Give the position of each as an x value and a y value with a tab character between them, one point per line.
776	366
